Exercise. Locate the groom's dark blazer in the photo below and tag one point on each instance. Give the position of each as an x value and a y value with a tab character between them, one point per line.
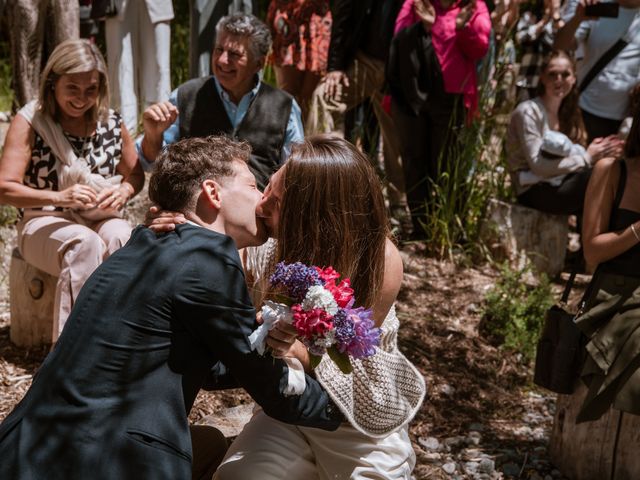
111	400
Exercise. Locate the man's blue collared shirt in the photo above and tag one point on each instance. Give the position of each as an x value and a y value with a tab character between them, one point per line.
294	132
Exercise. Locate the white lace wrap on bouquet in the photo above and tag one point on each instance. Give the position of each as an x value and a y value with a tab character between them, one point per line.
71	170
272	313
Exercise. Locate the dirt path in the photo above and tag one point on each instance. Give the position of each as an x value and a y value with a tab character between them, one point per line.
481	418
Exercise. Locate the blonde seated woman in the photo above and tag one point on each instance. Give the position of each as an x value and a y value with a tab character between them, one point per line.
325	207
70	166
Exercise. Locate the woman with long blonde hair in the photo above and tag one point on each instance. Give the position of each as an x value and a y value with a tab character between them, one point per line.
70	166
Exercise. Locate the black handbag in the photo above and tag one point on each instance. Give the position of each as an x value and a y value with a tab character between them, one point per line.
560	350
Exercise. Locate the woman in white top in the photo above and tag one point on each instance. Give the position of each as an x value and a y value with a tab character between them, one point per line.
548	164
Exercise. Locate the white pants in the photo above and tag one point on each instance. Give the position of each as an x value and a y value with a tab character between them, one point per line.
273	450
65	249
138	54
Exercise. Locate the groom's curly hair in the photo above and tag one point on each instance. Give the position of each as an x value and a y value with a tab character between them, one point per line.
182	167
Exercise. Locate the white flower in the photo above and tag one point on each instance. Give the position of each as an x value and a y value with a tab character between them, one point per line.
319	297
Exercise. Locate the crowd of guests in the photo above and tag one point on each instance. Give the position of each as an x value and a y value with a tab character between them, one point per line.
86	129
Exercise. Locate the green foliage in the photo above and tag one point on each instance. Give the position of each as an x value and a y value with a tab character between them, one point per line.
8	215
269	75
459	195
514	312
476	172
180	31
6	93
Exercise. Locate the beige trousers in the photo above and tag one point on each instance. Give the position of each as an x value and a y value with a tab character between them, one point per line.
61	247
272	450
366	80
301	84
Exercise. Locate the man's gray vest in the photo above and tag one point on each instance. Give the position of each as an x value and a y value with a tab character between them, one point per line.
264	125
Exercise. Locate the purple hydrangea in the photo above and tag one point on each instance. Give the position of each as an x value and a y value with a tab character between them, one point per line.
344	329
295	279
355	332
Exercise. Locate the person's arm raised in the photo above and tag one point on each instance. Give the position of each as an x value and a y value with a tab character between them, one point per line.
155	120
212	302
565	38
161	221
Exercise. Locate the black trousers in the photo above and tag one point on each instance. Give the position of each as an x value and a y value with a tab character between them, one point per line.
565	199
209	446
599	126
427	147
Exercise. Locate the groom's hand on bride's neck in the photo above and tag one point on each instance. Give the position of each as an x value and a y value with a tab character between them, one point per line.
161	221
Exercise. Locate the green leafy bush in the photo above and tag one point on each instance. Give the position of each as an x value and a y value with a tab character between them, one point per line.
514	311
8	215
6	93
475	173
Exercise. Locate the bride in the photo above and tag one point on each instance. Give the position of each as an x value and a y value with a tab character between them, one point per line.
325	207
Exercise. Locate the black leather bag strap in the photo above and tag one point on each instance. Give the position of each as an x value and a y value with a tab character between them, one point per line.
569	286
622	183
602	62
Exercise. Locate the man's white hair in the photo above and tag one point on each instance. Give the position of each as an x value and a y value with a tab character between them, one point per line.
249	26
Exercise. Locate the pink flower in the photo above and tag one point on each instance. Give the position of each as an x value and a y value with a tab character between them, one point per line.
312	323
342	293
327	274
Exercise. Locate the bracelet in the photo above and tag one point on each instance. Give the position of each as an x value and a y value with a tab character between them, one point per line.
635	233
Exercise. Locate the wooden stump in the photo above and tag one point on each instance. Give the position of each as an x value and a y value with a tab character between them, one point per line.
32	296
526	236
606	449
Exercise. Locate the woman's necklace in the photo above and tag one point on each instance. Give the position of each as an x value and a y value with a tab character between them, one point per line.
81	153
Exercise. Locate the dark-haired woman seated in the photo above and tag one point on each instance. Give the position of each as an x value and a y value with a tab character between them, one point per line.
548	163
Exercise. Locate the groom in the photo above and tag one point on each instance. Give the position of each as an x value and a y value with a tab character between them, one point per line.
112	399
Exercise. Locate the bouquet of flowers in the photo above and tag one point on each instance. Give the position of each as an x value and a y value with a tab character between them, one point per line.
321	310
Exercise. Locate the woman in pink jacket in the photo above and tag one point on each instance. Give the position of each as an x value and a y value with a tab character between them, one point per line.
432	75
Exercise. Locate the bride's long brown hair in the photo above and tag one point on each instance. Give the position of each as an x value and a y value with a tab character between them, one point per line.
569	115
333	213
